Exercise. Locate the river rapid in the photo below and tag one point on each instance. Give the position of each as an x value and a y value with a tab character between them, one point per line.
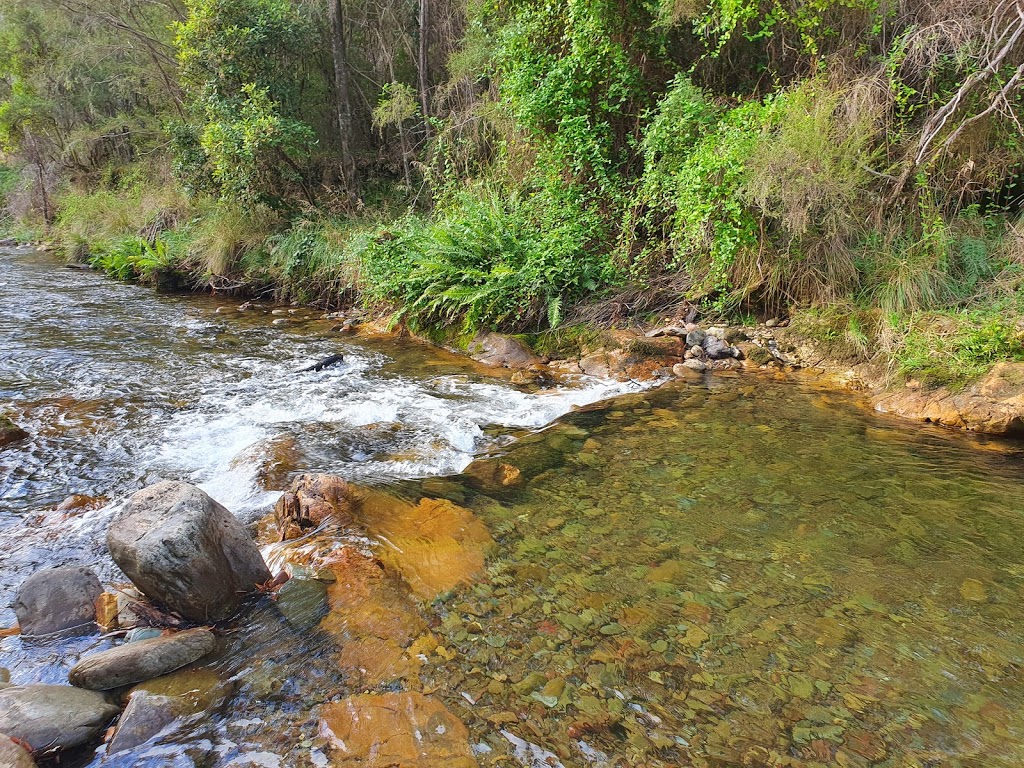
738	571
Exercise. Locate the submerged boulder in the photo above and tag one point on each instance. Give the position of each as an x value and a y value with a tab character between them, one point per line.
140	661
395	729
166	704
185	551
53	717
61	599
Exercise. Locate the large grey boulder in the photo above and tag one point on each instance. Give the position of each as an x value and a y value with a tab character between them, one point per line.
13	755
54	717
185	551
61	599
137	662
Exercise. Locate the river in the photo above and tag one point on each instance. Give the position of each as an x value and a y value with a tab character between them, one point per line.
738	572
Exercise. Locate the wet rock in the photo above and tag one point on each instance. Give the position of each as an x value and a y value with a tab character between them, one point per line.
490	475
311	500
993	405
159	705
695	365
302	602
435	545
276	459
373	617
395	729
13	755
54	717
137	662
683	371
10	432
497	349
79	502
184	550
61	599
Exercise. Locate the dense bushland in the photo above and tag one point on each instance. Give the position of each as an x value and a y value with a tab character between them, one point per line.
509	164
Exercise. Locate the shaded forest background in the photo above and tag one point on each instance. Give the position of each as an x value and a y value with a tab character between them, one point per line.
534	165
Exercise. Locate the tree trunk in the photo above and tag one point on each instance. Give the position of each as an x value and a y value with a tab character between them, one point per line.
422	63
336	15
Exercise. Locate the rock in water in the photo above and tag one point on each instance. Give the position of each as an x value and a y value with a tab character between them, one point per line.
395	729
495	349
184	550
61	599
10	432
53	716
12	755
166	704
137	662
311	500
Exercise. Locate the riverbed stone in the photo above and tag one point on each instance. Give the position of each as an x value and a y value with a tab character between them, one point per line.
498	349
13	755
53	716
136	662
436	545
185	551
61	599
161	704
395	729
10	432
312	499
302	602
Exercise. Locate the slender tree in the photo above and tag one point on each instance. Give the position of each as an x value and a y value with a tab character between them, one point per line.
343	104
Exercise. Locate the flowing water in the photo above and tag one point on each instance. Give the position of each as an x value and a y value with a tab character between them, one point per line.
742	572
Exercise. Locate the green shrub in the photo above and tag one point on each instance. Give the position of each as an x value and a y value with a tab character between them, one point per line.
488	260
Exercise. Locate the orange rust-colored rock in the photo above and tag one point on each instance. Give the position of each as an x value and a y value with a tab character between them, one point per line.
435	545
395	730
993	405
374	619
311	500
106	611
275	458
78	502
489	474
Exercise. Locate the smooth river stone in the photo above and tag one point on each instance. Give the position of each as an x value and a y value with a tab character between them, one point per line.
13	755
137	662
185	551
61	599
53	716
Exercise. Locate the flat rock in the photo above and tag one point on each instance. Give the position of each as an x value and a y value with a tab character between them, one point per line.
13	755
185	551
53	716
992	405
61	599
136	662
497	349
395	729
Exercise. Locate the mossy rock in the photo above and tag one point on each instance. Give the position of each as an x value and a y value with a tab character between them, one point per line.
10	432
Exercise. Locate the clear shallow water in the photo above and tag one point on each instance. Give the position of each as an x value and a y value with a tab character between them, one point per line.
748	573
120	387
